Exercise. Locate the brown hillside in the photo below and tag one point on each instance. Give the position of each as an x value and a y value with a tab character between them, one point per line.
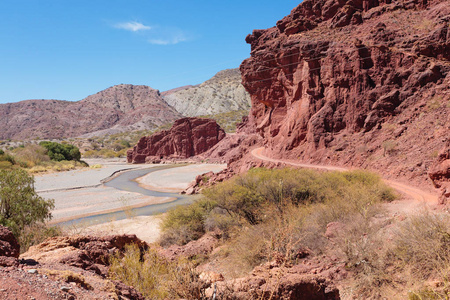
121	106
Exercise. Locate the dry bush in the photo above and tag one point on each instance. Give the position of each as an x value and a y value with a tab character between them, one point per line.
154	276
31	155
411	260
35	234
183	224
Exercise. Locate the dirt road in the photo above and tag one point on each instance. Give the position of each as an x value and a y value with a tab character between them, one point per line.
412	192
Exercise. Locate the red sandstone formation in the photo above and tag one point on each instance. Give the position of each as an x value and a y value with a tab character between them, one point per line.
63	268
440	173
9	248
187	137
355	83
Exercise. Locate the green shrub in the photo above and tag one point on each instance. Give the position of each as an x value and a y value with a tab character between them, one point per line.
59	152
308	199
20	206
247	195
8	158
183	224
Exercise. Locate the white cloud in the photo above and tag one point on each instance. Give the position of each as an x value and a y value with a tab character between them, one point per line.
168	41
132	26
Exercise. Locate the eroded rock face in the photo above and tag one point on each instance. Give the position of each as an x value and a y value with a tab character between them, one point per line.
334	80
115	109
272	281
84	261
187	137
440	174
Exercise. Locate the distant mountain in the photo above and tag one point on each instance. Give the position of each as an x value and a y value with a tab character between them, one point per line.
222	93
118	108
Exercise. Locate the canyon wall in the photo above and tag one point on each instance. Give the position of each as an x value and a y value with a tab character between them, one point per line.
354	83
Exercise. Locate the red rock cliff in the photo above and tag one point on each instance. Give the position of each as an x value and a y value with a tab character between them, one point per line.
334	80
187	137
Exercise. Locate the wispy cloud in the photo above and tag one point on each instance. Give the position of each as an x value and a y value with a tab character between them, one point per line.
156	34
132	26
168	41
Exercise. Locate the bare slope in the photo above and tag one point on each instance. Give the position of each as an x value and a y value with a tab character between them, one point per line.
121	107
222	93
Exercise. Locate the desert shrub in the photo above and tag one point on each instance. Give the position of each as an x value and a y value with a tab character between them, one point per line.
31	155
247	195
59	152
20	205
183	224
423	244
388	147
9	158
5	165
277	214
418	250
154	276
35	234
2	152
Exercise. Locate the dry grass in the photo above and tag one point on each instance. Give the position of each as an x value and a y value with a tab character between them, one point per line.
154	276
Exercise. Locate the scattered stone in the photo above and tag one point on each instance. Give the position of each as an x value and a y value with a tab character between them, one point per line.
65	288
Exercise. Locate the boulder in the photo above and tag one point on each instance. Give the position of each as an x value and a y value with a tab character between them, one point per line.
9	247
187	137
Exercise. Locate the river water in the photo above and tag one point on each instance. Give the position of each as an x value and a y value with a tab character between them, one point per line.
126	182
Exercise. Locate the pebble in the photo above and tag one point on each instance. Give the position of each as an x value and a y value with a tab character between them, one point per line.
65	288
32	271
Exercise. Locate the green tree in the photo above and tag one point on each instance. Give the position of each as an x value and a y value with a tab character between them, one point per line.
59	152
20	205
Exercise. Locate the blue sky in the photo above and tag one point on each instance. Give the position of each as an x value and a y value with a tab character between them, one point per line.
67	50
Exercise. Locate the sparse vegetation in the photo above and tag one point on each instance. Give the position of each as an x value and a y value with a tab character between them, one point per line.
228	120
21	209
264	197
282	214
388	147
37	158
154	276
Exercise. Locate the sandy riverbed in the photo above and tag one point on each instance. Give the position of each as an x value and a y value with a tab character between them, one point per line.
178	179
81	193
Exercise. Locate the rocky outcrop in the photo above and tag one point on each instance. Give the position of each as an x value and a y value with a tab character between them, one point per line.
361	83
187	137
9	247
73	267
222	93
86	252
440	174
274	281
118	108
82	263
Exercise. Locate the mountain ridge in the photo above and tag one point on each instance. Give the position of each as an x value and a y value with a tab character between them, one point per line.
119	108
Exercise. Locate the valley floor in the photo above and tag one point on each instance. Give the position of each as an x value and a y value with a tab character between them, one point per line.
81	193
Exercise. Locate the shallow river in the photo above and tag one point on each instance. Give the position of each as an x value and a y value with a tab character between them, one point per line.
126	182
